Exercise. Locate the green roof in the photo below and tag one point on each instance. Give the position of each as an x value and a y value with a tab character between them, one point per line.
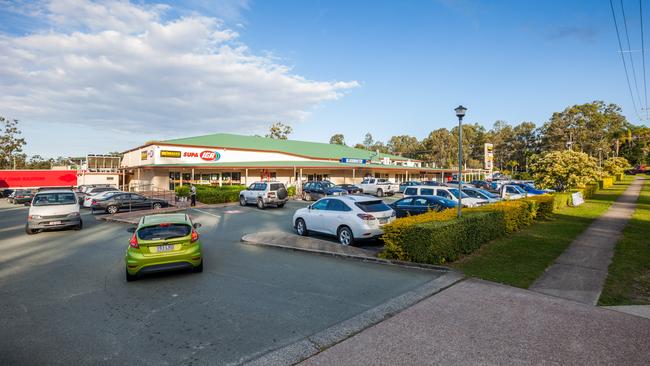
303	148
292	164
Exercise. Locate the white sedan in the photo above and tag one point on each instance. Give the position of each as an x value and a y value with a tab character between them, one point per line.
88	200
349	218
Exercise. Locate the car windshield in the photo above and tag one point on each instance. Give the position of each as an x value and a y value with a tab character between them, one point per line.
55	199
164	231
327	185
488	194
454	191
373	206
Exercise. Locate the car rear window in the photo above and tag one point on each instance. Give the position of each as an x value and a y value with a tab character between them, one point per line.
55	199
164	231
276	186
373	206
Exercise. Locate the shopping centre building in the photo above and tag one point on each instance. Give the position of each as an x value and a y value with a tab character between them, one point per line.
221	158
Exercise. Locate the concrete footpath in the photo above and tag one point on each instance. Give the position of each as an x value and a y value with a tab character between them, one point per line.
478	322
579	273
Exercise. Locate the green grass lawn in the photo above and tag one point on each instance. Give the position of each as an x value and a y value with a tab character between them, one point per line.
628	280
519	259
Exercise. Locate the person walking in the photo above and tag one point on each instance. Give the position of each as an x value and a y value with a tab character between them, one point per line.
193	195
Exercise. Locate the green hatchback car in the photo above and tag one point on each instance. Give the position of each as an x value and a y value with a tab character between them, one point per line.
163	242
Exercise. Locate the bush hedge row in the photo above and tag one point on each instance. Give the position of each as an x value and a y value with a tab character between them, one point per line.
437	237
213	194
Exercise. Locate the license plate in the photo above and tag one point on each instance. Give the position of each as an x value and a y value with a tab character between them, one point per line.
383	221
164	248
55	222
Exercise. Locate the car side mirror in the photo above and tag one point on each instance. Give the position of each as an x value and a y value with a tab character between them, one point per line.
309	207
196	225
131	229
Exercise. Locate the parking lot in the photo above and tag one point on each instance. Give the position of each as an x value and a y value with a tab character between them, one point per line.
65	299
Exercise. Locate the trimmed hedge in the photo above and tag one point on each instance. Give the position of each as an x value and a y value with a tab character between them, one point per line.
439	242
213	194
545	205
182	191
291	191
394	232
606	182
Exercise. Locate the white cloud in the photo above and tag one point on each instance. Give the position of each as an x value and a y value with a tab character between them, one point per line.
117	65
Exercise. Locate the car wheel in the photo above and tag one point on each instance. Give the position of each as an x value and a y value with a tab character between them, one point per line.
305	196
380	193
280	205
29	231
242	201
112	209
79	226
157	206
345	236
301	227
130	277
199	268
260	204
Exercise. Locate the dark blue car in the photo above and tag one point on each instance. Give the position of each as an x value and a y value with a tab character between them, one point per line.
417	205
529	188
315	190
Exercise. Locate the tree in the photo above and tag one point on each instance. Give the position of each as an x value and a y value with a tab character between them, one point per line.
10	142
404	145
438	148
337	139
368	141
502	135
565	169
615	166
279	131
590	128
38	162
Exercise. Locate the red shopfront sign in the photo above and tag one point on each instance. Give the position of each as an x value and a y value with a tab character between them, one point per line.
37	178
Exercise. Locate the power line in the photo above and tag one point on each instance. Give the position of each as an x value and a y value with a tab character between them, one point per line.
645	85
620	47
629	47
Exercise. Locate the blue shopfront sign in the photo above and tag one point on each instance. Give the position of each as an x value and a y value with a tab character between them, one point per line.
353	161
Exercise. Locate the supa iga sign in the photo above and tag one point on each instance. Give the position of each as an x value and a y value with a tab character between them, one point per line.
207	155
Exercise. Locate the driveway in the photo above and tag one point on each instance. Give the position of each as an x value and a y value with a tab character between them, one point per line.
64	299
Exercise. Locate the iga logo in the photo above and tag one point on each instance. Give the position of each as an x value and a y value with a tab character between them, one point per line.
209	155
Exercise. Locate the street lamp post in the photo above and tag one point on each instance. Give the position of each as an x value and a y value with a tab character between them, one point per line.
460	113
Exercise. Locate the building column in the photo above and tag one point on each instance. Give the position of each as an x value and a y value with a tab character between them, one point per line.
246	178
192	180
354	171
299	184
220	178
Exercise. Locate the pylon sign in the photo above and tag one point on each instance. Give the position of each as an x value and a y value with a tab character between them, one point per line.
488	158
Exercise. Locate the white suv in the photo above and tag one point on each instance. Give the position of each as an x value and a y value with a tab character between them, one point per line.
446	192
263	194
349	218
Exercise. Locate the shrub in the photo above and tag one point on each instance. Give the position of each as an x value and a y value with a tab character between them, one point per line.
516	213
393	232
606	182
565	169
211	194
182	191
291	191
615	166
545	205
438	242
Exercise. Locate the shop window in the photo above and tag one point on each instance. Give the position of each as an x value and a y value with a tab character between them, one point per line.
225	177
187	176
205	177
236	177
214	177
274	175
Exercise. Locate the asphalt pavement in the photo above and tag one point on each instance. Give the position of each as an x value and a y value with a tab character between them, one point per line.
64	299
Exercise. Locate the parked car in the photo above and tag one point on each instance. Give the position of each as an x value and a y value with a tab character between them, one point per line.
21	196
87	201
163	242
432	183
5	193
378	187
127	201
90	190
349	218
530	189
482	194
482	184
54	208
404	185
454	183
314	190
350	188
511	192
417	205
263	194
445	192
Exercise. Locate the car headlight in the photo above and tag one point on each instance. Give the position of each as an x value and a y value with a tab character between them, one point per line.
35	217
74	214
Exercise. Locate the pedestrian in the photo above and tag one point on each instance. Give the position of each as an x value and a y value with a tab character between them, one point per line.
193	194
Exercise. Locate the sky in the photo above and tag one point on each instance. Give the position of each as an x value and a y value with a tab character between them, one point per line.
87	76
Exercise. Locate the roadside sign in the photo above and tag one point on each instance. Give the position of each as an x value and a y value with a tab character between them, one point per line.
577	199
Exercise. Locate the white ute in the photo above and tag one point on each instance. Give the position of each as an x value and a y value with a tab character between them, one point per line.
378	187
